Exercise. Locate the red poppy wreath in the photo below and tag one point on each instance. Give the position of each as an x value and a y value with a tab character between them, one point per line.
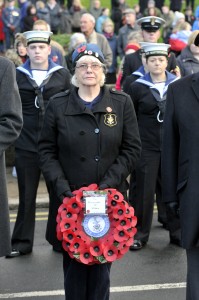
85	248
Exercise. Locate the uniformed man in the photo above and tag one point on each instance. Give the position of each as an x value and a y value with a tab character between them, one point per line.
38	79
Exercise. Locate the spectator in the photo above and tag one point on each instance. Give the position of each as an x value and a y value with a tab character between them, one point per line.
30	18
11	22
116	16
108	32
87	24
188	60
76	11
2	34
55	14
152	10
168	17
66	21
179	38
10	127
139	15
75	40
20	46
189	17
178	18
104	16
96	9
42	12
130	26
23	5
175	5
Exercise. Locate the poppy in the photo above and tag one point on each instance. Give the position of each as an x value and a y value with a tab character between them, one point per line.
68	214
120	235
123	224
66	224
69	235
77	245
119	211
62	207
96	248
74	206
85	256
110	253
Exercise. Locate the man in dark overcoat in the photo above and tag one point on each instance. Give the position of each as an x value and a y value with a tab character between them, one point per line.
180	171
10	127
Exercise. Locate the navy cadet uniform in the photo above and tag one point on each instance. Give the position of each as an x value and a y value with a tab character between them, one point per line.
11	20
149	107
34	100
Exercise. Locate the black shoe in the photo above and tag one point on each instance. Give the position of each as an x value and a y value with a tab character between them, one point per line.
14	253
137	245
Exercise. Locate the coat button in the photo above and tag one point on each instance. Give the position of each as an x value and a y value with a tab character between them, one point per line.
97	158
82	132
96	130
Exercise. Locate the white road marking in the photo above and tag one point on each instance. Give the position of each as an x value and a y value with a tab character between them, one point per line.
116	289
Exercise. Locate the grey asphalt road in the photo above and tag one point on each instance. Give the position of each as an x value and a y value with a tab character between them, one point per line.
157	272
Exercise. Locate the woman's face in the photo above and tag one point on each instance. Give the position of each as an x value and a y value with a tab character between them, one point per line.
156	65
194	49
21	49
89	71
108	28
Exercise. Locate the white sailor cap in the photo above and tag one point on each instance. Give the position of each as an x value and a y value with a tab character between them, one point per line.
150	23
35	36
155	49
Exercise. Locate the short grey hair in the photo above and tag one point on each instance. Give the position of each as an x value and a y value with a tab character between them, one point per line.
90	17
76	39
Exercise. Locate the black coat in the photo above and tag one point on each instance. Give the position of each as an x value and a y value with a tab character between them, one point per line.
77	148
133	61
180	157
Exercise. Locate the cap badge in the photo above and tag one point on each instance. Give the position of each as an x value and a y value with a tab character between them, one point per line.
152	21
110	120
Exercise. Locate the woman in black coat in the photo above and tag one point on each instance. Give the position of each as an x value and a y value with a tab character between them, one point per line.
180	172
90	135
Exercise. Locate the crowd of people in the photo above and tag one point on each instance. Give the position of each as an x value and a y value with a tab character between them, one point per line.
56	135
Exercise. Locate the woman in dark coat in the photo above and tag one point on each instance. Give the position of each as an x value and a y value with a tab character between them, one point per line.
90	135
10	127
180	172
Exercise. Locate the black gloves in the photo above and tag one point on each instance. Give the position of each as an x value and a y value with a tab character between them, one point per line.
103	186
173	209
68	194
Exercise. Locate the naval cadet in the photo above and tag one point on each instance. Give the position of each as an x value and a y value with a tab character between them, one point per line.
38	79
149	97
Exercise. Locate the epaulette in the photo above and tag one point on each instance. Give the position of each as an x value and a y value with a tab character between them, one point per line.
114	91
61	94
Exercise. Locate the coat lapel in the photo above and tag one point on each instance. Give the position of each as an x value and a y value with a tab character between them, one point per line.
195	85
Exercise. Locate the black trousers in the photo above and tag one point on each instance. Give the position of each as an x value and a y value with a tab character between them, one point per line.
192	274
28	175
143	184
85	282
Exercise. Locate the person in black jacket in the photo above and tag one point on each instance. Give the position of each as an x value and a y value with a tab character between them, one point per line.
148	94
180	170
38	79
90	135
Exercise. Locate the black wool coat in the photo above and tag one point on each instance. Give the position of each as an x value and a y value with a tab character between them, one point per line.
180	157
78	146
